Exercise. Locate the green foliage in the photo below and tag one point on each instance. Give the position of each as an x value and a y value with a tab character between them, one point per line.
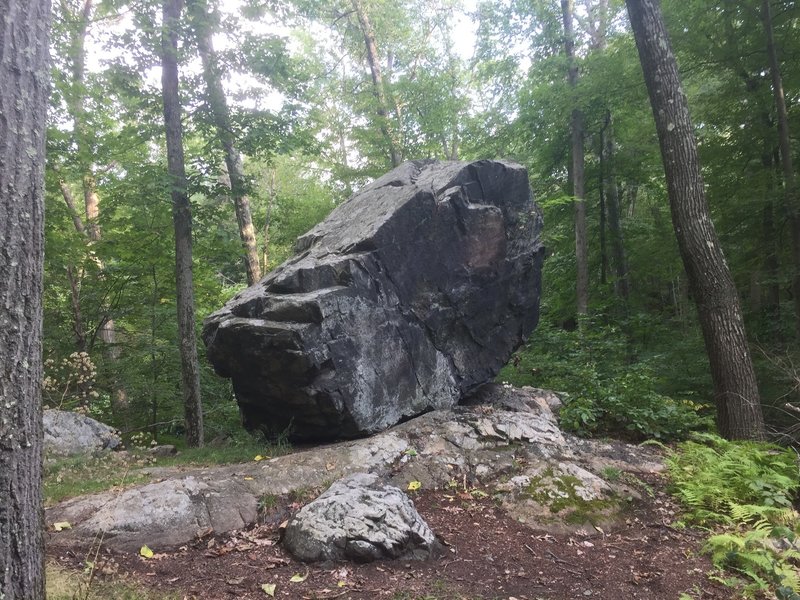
713	478
602	397
749	489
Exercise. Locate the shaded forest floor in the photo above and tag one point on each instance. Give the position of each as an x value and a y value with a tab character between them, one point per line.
488	556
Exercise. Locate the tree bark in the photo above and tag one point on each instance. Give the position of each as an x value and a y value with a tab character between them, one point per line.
215	95
182	221
377	83
735	388
576	130
24	94
620	261
789	181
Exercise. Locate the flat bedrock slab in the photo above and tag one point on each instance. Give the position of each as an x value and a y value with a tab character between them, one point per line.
360	518
481	443
410	294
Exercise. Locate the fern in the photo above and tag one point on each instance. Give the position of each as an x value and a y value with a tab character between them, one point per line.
748	489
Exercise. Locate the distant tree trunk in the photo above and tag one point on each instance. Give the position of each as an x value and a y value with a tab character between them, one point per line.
789	181
576	127
91	199
377	82
602	193
772	304
215	95
712	288
182	221
24	94
621	284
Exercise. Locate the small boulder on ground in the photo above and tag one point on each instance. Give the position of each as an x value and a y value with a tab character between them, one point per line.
68	433
360	518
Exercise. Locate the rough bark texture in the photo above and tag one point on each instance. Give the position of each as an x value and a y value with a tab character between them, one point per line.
182	221
410	294
377	82
24	91
215	96
576	129
789	181
735	388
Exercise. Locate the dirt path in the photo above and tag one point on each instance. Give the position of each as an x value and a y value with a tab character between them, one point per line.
489	556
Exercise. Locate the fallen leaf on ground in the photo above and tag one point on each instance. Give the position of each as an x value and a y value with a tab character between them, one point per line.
61	525
146	552
269	589
414	485
297	578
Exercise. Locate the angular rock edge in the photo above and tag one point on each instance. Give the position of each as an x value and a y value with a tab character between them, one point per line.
409	295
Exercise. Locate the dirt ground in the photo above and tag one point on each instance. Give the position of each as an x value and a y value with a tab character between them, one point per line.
488	556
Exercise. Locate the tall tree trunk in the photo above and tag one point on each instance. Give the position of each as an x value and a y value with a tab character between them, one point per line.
379	88
182	221
789	181
735	388
772	304
215	95
91	199
602	193
576	128
622	283
24	93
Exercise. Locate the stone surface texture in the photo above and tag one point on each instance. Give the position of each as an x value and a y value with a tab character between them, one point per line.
410	294
68	433
511	435
360	518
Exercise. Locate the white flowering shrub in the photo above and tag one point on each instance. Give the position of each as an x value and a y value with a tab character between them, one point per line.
69	384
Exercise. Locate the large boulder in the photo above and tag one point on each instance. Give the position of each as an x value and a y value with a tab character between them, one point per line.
362	519
68	433
410	294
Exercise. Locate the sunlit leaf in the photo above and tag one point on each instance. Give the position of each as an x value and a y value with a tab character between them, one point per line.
414	485
269	589
146	552
61	525
297	578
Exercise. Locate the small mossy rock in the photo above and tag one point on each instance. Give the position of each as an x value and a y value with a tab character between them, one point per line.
69	434
360	518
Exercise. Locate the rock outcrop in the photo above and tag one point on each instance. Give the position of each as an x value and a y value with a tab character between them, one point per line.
409	295
360	518
512	435
68	433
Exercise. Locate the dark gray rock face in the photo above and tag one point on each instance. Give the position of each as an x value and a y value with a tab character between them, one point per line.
361	519
410	294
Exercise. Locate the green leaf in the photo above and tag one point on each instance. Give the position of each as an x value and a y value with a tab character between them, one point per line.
269	589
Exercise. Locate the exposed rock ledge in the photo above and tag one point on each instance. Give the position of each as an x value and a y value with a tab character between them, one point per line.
514	442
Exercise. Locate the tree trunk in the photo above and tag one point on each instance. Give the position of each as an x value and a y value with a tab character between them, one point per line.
182	221
24	94
215	95
91	227
576	128
621	284
377	83
712	288
789	181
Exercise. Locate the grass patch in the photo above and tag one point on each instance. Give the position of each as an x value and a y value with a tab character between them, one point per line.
76	476
68	585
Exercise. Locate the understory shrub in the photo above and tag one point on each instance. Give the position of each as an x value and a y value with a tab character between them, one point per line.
606	391
745	493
